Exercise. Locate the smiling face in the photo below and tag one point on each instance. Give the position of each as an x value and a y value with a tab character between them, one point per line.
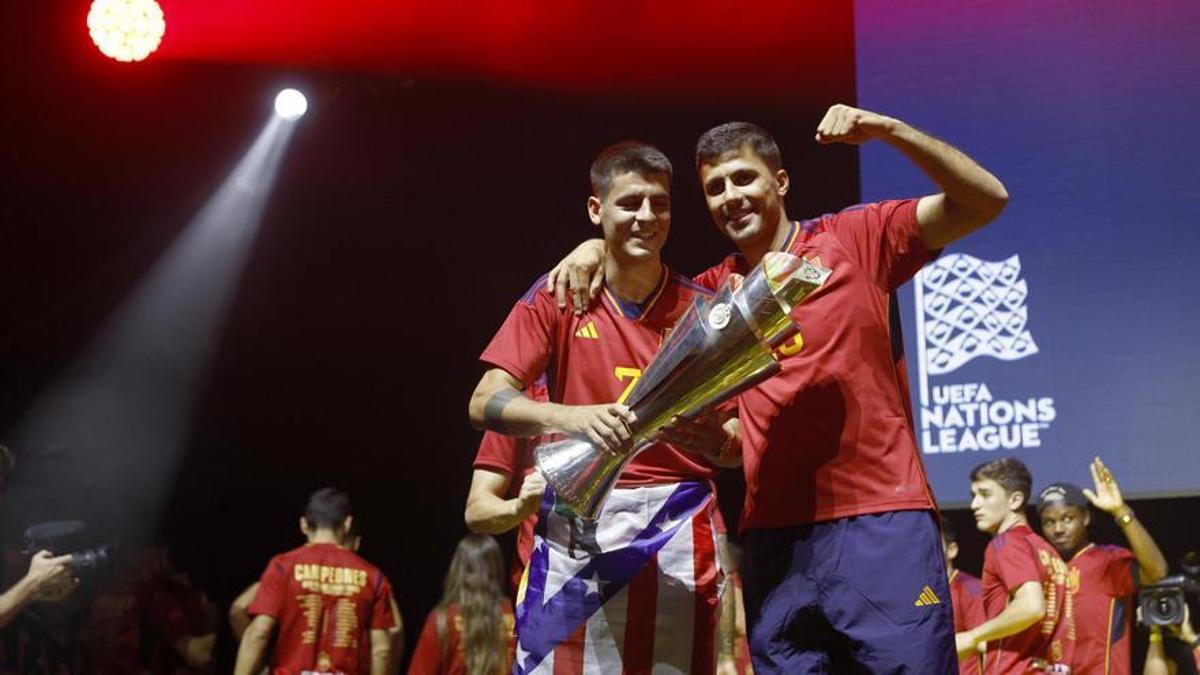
1065	526
745	197
635	215
991	505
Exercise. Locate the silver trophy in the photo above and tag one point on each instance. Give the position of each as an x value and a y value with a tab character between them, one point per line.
719	347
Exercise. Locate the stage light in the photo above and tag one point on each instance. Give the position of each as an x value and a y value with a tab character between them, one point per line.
290	104
126	30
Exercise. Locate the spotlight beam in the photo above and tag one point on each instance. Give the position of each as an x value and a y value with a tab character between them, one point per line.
105	440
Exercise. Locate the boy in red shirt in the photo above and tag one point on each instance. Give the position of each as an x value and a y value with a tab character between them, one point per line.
332	608
1030	621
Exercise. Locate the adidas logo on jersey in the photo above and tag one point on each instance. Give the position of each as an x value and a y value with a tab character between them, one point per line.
927	597
588	331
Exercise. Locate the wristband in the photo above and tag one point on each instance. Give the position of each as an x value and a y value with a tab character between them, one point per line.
1125	517
1155	637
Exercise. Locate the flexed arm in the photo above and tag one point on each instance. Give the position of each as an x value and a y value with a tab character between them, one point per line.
970	197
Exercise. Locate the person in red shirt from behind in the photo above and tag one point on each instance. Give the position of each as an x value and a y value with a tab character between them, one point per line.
1029	627
471	629
1102	577
966	597
332	608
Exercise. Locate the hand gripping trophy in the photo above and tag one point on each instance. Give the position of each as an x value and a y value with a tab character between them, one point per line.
719	347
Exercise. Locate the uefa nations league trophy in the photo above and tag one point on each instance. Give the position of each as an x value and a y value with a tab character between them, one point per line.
718	348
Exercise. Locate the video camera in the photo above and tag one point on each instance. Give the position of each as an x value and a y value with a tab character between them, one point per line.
65	536
1162	603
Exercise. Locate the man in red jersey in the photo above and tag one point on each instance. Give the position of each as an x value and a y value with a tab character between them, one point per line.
830	456
966	597
332	608
1030	620
638	589
1102	578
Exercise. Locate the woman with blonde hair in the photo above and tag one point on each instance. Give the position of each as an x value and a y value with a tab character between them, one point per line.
470	630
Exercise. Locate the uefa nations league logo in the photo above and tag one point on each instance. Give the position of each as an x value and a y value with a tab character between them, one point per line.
969	308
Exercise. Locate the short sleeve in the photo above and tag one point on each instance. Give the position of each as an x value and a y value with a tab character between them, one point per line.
884	239
427	655
1014	562
272	589
523	345
381	613
499	453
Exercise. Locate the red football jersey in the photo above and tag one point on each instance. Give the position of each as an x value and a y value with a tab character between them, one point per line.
966	598
1101	586
1012	558
830	436
326	601
443	655
598	358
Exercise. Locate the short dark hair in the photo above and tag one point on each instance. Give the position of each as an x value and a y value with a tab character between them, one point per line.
731	137
626	157
1009	472
327	508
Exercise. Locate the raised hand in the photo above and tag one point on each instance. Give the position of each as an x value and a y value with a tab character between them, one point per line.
843	124
1107	495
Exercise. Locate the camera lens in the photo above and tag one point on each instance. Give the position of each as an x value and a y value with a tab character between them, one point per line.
1165	606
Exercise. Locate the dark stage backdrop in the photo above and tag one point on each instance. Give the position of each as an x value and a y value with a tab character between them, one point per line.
410	213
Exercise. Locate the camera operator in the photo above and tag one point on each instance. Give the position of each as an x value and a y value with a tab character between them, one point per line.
48	578
1103	578
1157	660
